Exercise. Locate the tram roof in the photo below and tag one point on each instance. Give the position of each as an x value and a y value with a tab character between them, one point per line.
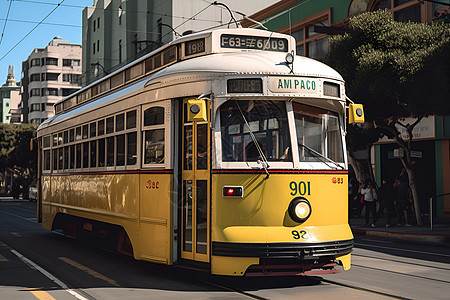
257	63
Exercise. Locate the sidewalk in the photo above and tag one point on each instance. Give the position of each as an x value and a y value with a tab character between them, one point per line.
439	235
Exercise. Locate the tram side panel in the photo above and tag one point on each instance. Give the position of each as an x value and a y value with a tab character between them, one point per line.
108	198
261	217
155	221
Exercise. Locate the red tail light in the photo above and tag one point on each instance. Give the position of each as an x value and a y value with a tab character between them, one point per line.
233	191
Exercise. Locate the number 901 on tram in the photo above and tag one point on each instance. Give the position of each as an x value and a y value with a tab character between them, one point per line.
220	150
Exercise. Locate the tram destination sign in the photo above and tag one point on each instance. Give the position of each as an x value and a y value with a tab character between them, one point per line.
294	85
245	85
249	42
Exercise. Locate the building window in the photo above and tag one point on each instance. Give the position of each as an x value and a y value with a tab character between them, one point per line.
404	10
67	62
94	25
35	62
35	92
75	62
98	46
49	92
93	48
50	76
72	78
50	61
310	43
98	22
35	107
35	77
67	92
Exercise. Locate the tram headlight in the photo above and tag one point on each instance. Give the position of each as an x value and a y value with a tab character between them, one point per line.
299	209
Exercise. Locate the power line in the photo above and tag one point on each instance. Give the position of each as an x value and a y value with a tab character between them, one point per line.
6	20
77	26
112	9
48	15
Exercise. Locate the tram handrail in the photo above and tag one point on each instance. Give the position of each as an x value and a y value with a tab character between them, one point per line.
431	208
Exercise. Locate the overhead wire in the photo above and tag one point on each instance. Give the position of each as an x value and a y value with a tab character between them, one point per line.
48	15
111	9
6	20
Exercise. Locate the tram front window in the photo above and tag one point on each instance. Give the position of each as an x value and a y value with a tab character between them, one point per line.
318	134
266	120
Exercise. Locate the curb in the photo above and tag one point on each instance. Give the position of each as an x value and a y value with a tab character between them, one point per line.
433	239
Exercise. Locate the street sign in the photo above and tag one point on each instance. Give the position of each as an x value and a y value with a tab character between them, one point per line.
416	154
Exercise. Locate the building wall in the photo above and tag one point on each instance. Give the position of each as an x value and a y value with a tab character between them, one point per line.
49	75
9	99
130	29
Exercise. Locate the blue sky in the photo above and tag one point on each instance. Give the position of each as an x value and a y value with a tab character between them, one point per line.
23	16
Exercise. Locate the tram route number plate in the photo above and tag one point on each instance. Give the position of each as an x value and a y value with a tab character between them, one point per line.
253	42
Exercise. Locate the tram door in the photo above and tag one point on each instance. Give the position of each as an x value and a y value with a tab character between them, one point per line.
195	206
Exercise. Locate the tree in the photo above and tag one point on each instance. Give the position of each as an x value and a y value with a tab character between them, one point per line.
396	70
15	153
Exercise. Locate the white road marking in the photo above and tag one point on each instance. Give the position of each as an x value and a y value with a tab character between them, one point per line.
32	220
49	276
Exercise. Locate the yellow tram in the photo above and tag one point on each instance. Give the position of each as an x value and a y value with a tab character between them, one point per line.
221	150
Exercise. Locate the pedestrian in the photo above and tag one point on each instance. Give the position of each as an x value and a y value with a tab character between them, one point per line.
401	200
370	197
386	197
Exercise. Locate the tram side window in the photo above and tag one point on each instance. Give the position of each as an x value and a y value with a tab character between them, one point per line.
120	122
78	154
154	146
131	148
101	152
85	154
55	159
85	131
47	160
101	127
109	125
131	119
72	157
120	158
110	151
66	157
93	154
60	158
78	133
154	135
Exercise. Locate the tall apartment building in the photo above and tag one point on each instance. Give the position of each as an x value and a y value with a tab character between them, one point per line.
48	75
10	99
116	32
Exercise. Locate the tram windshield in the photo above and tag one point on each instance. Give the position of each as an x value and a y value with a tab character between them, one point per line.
265	120
255	130
318	134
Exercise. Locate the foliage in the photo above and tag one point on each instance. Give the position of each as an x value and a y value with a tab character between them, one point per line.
15	150
396	70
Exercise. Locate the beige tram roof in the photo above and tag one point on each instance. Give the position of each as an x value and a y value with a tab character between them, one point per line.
219	64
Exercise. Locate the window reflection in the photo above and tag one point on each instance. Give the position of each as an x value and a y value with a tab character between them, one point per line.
267	120
154	146
317	131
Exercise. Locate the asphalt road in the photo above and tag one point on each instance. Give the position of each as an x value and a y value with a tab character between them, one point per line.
37	264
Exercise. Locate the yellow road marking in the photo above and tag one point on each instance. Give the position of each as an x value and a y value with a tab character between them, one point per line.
2	258
41	295
89	271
